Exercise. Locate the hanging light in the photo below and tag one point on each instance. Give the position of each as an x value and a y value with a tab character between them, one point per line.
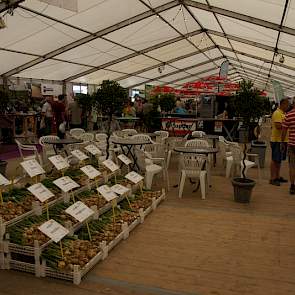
2	23
282	59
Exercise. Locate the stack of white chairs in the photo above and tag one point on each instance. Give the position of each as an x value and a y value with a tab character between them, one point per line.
198	134
192	166
234	162
161	136
129	132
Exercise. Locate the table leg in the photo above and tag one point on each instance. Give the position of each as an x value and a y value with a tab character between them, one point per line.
214	155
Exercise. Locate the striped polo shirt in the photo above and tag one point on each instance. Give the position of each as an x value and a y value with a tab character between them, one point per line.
289	123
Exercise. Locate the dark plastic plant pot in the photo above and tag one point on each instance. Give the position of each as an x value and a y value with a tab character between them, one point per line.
243	189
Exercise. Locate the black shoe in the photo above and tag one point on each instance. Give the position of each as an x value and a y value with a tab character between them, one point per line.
282	180
292	189
275	182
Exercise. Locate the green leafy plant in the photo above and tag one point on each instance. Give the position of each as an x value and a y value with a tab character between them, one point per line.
250	106
5	98
167	102
109	99
86	102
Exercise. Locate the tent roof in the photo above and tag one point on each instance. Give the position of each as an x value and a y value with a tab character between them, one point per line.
129	40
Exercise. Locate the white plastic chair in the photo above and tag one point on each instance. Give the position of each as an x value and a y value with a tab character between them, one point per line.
192	166
161	136
101	137
235	161
198	134
77	132
197	143
224	151
172	143
158	154
47	146
147	166
32	148
87	137
142	137
129	132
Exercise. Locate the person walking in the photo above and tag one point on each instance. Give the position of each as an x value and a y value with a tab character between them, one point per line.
278	153
288	126
59	111
47	115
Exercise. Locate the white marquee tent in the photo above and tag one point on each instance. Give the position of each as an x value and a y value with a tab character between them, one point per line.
87	41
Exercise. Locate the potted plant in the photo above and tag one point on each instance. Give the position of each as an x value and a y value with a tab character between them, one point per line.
110	99
167	102
86	102
250	106
152	118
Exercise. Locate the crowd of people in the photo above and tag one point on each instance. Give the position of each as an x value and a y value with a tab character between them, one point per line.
283	143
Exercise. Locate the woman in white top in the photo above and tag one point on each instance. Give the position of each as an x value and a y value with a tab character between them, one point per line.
47	115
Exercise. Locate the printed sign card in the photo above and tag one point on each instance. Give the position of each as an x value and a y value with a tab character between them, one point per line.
53	230
41	192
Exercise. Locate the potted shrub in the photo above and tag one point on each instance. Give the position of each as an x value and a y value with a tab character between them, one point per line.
250	106
110	99
167	102
86	102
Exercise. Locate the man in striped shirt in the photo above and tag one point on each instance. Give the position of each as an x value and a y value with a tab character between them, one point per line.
289	125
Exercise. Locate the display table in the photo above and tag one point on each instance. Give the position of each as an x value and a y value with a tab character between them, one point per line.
65	141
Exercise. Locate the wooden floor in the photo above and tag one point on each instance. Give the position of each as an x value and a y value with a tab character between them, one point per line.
193	246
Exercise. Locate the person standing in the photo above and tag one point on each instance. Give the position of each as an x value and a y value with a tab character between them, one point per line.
47	115
289	126
278	154
59	111
75	113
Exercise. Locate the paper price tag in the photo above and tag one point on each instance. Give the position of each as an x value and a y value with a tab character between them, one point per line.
92	149
107	193
90	171
79	211
111	165
79	155
134	177
32	167
41	192
124	159
59	162
53	230
119	189
4	180
66	183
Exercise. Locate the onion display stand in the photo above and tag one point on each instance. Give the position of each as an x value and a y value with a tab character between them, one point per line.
243	189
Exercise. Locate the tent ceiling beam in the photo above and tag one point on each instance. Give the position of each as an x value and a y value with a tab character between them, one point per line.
172	27
240	16
167	62
146	50
258	58
190	76
263	68
176	72
252	43
11	4
93	36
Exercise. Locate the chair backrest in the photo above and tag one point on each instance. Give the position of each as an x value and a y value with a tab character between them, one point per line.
197	143
46	140
87	137
192	162
31	148
236	153
156	150
77	132
142	159
161	136
143	137
222	148
198	134
101	137
129	132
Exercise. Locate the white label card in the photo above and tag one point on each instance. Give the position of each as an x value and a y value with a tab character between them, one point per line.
120	189
59	162
107	193
66	183
41	192
79	155
134	177
53	230
111	165
124	159
4	180
79	211
92	149
32	167
90	171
